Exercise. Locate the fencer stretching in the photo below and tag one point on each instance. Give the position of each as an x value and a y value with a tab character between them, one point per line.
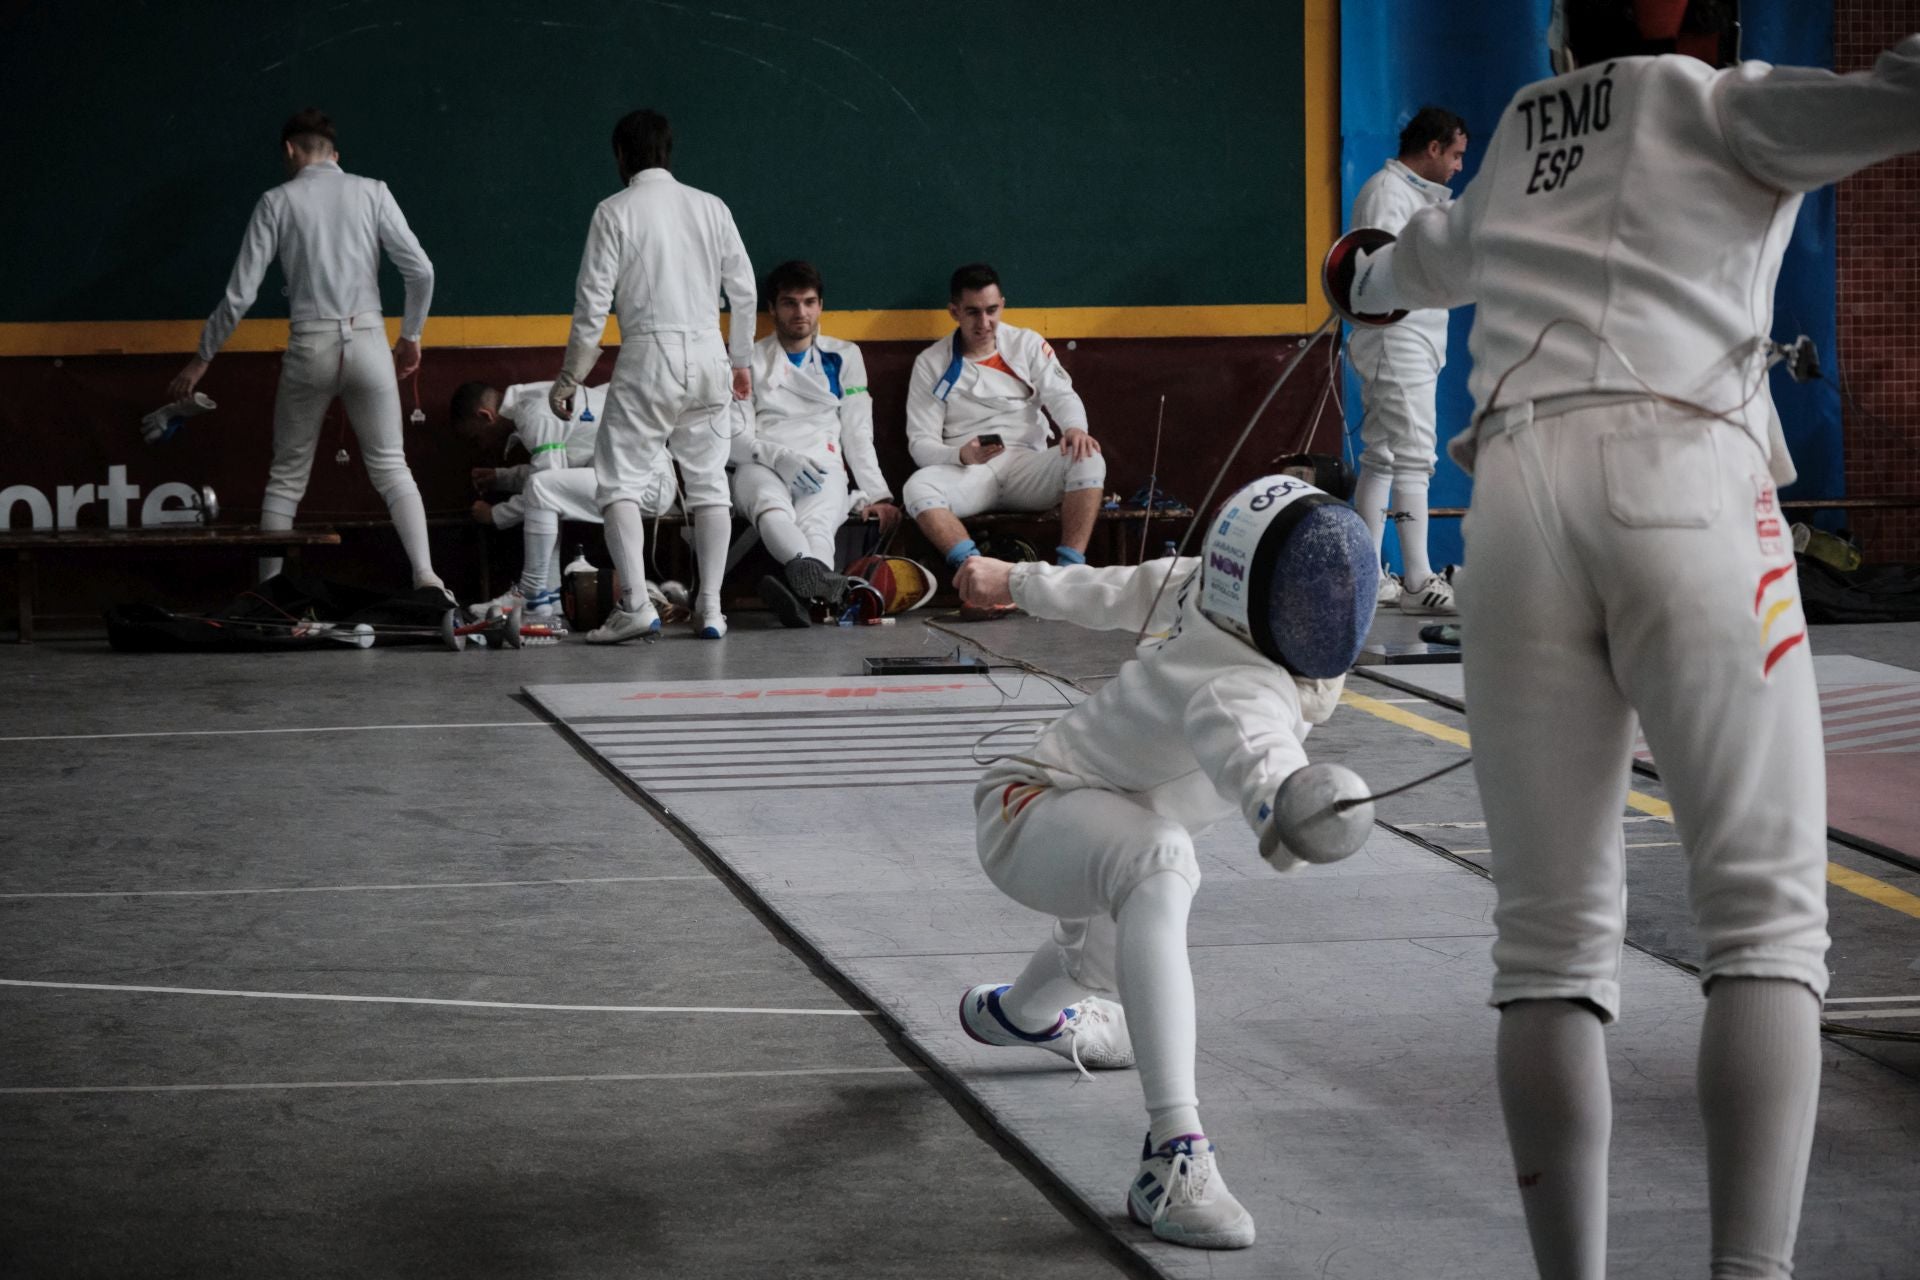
1629	558
1094	824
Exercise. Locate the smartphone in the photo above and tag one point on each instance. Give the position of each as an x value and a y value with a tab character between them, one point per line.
989	440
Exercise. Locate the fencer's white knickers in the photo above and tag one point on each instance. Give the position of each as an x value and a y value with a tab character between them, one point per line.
351	360
571	493
669	391
1628	558
1398	379
1016	480
1074	854
759	490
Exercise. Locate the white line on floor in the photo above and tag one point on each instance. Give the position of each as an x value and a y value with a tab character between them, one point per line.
1644	844
617	1078
1869	999
1877	1013
347	888
227	733
453	1004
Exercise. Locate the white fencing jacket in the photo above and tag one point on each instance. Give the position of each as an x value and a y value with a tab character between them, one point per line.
661	255
1648	200
1197	724
951	399
549	443
327	228
821	402
1415	349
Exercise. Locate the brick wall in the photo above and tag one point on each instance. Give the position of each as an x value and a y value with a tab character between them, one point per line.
1879	302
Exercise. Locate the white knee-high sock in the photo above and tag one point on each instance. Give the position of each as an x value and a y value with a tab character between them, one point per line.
1370	500
1034	1001
1559	1109
712	529
627	542
540	544
410	522
782	536
1759	1084
1410	525
272	565
1156	989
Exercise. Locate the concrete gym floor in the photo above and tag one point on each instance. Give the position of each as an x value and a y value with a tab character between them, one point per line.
198	845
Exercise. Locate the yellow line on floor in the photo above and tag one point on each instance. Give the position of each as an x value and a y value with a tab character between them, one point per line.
1854	882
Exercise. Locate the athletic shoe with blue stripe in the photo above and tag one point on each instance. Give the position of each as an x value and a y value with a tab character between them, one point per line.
1092	1033
1180	1196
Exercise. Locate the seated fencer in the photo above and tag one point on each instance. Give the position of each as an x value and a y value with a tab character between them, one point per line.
554	483
1243	651
812	423
977	425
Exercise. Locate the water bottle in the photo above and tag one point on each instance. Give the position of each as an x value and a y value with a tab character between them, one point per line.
580	591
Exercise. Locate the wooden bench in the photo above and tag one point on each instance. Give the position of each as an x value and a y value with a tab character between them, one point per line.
29	547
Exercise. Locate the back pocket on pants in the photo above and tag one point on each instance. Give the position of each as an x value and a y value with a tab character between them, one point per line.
1662	478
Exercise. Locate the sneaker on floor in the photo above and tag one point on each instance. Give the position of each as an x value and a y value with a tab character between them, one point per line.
1089	1034
626	624
783	604
1390	589
710	626
500	604
1180	1196
1434	597
811	580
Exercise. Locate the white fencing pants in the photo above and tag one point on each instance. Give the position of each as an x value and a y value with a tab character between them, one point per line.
792	526
1017	480
670	391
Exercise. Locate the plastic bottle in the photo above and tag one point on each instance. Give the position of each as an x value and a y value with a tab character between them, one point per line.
580	590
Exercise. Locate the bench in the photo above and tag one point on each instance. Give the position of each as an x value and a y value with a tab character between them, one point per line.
1123	530
30	546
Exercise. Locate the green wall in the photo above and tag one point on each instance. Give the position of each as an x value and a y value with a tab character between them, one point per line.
1130	153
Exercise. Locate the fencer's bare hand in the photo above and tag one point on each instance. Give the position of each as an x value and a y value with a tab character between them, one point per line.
1076	444
406	357
983	582
887	514
483	478
742	384
483	512
973	453
187	379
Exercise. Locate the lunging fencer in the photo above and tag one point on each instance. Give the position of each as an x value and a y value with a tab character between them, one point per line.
555	482
661	254
1399	368
812	424
327	228
1244	651
1629	558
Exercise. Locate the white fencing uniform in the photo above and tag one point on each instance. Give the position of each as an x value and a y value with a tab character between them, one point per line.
820	410
951	399
662	254
327	228
1630	555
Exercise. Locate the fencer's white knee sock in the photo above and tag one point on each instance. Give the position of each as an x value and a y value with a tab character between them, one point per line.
627	541
1370	500
784	541
1156	989
1559	1109
272	565
1759	1084
410	522
1410	501
712	529
1034	1001
541	544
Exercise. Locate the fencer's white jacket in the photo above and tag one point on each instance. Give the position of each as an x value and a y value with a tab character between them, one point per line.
327	228
1649	201
1197	724
942	415
549	441
1415	349
795	408
660	254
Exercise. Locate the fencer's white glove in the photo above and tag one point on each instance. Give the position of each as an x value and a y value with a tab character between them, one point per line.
803	475
560	396
1307	825
162	423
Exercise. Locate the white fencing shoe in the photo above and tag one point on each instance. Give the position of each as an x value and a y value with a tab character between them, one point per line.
1180	1196
1434	598
1091	1033
626	624
500	604
1390	589
710	626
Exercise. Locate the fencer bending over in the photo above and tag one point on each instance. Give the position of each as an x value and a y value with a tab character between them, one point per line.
555	482
327	228
662	254
1094	824
1622	241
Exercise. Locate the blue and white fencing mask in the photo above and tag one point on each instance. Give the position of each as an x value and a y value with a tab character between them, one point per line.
1292	571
